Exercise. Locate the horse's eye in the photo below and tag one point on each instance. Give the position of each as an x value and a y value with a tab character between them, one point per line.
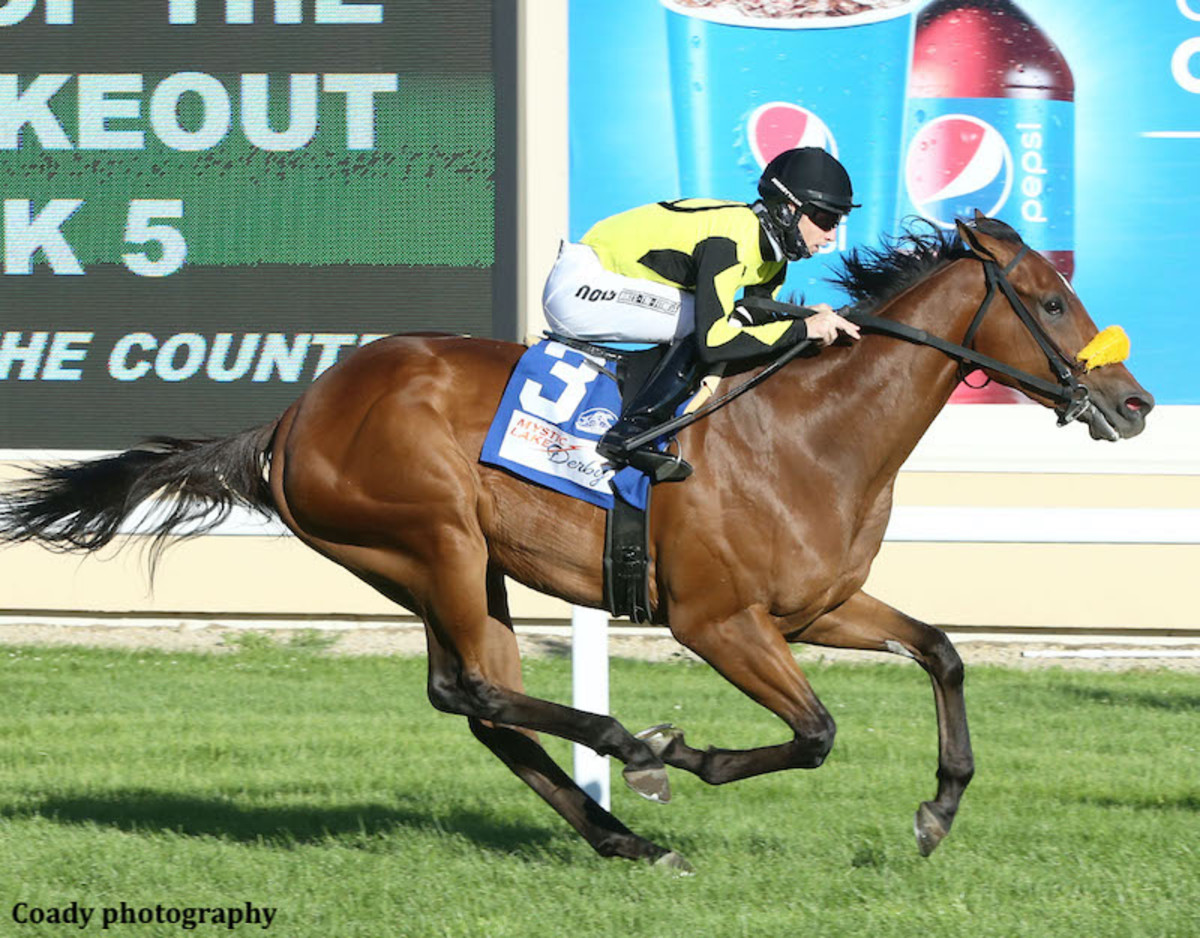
1053	306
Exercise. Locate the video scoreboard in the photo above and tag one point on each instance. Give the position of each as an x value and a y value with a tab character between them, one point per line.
206	203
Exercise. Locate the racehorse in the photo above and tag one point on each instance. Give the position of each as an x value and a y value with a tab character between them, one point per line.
376	467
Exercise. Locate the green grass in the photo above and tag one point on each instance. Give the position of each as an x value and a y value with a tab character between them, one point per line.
329	789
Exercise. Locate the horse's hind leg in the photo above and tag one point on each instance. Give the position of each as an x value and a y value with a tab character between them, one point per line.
454	603
865	622
521	752
533	765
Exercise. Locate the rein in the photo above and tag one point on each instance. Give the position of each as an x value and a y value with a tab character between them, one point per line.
1068	392
1073	397
686	420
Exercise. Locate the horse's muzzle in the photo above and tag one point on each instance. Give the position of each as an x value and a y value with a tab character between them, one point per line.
1118	410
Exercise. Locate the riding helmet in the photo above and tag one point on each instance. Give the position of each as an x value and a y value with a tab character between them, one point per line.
795	179
807	175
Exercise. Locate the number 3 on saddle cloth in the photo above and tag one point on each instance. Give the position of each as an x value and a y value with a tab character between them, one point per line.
557	405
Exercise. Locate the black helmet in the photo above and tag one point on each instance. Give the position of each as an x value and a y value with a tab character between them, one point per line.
807	175
806	180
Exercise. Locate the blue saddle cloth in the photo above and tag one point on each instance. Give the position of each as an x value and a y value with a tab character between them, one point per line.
557	405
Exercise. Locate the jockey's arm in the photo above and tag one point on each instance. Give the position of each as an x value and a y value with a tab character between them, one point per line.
722	333
823	323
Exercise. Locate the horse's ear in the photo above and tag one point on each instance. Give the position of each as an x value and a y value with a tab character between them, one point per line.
974	239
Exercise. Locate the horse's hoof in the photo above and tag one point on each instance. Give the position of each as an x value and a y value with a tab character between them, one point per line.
674	863
928	828
659	737
651	784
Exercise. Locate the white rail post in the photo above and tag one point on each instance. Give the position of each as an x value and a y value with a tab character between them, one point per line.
589	687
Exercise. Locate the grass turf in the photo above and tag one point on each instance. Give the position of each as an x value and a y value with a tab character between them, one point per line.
327	788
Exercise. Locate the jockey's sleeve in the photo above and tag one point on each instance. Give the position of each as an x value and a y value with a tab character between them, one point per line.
721	334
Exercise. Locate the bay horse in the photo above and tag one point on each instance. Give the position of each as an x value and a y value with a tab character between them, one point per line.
376	467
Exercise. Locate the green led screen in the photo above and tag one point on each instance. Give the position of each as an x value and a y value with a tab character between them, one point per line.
209	202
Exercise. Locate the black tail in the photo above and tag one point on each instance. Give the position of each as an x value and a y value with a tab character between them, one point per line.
81	506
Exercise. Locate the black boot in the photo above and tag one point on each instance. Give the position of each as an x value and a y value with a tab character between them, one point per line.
654	404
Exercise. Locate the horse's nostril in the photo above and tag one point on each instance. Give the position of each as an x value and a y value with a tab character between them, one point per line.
1138	405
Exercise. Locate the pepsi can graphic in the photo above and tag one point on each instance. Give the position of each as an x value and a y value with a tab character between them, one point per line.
990	125
748	84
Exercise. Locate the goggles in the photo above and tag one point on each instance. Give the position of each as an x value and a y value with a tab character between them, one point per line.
823	218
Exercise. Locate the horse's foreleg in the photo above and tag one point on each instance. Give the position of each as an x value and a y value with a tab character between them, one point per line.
752	655
865	622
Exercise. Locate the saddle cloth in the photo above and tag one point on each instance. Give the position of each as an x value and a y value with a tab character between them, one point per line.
557	405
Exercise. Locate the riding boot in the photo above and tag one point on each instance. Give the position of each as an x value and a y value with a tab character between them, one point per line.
653	404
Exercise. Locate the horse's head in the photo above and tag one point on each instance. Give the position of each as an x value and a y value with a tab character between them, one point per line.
1037	323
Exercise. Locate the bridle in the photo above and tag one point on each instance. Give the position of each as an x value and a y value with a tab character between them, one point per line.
1073	399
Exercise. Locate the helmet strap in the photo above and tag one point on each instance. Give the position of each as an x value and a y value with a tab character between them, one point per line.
787	219
782	221
802	248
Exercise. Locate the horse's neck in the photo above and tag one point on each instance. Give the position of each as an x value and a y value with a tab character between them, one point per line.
895	386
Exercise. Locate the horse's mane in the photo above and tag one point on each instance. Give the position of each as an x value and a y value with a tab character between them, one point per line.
872	276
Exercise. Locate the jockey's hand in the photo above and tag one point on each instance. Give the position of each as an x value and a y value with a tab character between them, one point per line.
825	325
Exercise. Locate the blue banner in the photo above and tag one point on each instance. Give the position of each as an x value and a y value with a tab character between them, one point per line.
1081	128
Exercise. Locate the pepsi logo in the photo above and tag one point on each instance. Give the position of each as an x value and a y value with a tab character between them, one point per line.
779	125
957	164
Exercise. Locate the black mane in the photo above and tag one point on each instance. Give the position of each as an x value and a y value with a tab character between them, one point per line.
873	276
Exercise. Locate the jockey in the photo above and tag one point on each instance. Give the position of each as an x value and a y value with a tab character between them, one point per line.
669	273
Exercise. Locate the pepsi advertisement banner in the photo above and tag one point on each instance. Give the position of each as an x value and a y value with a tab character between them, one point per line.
1077	123
207	203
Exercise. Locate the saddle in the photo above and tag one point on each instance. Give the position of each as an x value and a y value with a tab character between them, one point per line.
626	541
563	395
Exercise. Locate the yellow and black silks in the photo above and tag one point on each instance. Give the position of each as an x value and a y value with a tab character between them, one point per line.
712	248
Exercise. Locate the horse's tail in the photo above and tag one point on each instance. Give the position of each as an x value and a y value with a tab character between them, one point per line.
196	484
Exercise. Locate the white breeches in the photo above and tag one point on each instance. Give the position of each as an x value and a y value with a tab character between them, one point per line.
585	301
